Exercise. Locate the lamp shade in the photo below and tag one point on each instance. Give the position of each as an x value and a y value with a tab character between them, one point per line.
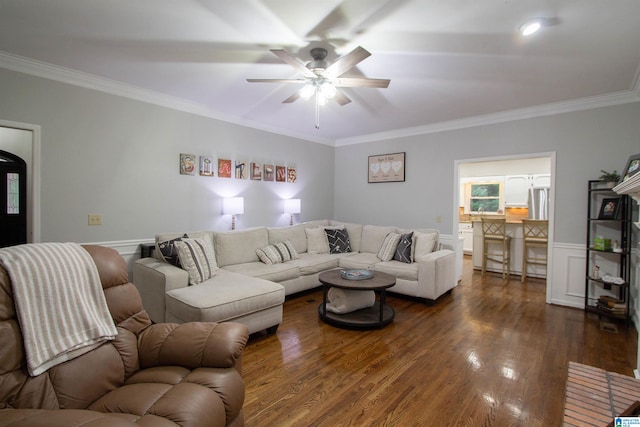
233	206
292	206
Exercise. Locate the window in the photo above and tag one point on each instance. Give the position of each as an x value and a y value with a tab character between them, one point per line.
485	198
13	193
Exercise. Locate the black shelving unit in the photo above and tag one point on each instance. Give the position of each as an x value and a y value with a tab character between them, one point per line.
616	263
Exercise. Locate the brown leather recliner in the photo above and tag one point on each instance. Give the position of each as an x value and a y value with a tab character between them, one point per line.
150	374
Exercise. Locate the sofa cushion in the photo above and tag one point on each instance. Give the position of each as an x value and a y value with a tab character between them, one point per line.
312	264
317	242
294	234
399	270
239	247
389	245
206	235
197	259
225	296
358	260
275	272
353	230
404	249
338	240
373	236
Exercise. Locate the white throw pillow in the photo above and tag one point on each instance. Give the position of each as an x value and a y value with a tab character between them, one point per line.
317	242
423	243
196	258
389	245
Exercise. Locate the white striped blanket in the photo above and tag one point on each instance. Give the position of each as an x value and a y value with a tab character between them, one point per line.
59	302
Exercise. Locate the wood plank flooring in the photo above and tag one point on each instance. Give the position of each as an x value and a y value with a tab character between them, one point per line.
492	353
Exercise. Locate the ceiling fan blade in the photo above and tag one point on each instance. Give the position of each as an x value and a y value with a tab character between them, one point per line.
276	80
361	82
294	62
346	62
341	98
292	98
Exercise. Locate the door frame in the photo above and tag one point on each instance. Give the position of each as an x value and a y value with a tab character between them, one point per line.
33	175
552	169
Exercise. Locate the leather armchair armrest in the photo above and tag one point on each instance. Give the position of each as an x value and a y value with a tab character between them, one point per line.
192	345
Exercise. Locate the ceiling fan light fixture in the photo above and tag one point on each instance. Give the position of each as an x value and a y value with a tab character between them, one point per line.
307	90
328	90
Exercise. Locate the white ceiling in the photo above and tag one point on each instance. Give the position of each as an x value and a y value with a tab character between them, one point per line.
450	62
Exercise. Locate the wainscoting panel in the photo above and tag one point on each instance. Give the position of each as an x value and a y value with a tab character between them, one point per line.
567	276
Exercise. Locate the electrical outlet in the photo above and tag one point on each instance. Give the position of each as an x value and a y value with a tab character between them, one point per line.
95	219
438	219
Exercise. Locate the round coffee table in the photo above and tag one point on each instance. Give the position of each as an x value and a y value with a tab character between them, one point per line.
377	316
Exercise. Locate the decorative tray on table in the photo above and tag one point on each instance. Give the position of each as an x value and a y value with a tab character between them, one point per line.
354	274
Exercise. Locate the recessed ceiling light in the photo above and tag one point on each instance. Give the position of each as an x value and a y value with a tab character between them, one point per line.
531	27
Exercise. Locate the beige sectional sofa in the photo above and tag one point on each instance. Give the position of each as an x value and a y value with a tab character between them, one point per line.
245	289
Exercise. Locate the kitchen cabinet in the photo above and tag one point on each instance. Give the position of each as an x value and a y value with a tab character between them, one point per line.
516	187
466	232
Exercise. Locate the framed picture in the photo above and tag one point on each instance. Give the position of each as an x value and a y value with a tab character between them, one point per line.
224	168
609	208
281	174
187	164
256	171
632	168
269	173
242	170
387	167
292	174
206	166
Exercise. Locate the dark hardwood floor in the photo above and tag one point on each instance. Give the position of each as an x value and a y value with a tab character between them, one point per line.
492	353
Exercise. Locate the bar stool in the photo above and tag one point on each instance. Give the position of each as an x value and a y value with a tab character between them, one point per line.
535	234
494	232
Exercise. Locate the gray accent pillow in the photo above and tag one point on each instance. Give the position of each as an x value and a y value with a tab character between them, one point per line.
403	250
168	250
338	239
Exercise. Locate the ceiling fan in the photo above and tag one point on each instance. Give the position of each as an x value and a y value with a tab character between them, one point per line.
322	79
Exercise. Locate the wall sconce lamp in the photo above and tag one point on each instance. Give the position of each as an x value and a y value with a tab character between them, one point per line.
233	206
292	206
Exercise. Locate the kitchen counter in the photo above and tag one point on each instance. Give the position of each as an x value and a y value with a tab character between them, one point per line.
514	229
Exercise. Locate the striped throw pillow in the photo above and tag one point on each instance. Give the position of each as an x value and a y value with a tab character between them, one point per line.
280	252
388	248
196	258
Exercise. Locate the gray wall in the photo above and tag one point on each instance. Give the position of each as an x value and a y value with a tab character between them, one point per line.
118	157
584	142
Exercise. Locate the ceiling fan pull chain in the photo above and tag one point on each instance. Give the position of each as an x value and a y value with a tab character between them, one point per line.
317	109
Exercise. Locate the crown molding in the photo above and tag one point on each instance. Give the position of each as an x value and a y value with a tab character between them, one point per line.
608	100
89	81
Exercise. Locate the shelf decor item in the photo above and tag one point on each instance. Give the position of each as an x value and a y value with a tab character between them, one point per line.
355	274
609	208
187	164
632	167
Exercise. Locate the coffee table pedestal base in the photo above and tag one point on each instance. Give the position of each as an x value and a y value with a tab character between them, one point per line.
359	319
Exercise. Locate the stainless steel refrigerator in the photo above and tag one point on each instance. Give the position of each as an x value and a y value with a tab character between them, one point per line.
539	203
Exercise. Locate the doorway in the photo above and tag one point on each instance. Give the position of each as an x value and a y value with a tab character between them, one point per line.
23	141
497	171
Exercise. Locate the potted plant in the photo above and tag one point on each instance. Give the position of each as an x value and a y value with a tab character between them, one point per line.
611	177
